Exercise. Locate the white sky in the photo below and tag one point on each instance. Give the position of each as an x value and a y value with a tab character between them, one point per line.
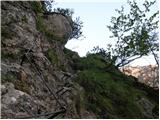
96	15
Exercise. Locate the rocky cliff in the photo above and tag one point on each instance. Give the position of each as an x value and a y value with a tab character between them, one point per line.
148	75
36	76
40	78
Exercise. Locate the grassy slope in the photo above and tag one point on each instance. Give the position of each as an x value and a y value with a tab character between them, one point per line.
111	94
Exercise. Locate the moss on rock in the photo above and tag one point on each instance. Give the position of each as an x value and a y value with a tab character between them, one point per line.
36	7
52	56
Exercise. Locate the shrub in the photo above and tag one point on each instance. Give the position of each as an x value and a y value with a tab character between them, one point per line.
37	7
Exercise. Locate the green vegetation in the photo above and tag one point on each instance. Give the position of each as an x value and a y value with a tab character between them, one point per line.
39	10
24	19
7	55
65	12
6	32
76	25
70	55
109	94
135	32
45	7
106	91
9	77
68	52
37	7
104	94
52	56
92	62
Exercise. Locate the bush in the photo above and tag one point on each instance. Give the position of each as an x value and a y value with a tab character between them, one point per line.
110	94
92	61
108	97
37	7
76	26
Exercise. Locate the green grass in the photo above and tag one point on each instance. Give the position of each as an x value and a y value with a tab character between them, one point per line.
109	94
68	53
91	62
103	93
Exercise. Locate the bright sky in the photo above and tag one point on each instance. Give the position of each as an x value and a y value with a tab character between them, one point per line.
96	15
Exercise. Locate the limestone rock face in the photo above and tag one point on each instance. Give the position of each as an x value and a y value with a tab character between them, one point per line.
59	25
13	99
145	74
36	76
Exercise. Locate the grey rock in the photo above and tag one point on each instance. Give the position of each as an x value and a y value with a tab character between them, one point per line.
26	85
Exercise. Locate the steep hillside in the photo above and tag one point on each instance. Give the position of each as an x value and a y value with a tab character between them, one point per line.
40	78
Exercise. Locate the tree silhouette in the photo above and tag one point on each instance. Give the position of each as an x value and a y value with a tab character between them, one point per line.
136	33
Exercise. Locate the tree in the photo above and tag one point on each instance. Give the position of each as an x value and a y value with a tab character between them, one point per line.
77	29
136	33
65	12
47	5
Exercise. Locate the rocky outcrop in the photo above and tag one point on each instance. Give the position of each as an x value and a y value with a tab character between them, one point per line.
145	74
36	76
62	28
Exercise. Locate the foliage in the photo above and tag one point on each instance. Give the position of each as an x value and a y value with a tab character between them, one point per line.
40	8
8	77
105	53
37	7
7	32
76	26
69	53
47	5
105	95
64	12
110	94
136	33
8	55
52	56
93	61
46	8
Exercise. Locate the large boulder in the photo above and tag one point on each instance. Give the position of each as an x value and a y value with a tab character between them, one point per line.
59	25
